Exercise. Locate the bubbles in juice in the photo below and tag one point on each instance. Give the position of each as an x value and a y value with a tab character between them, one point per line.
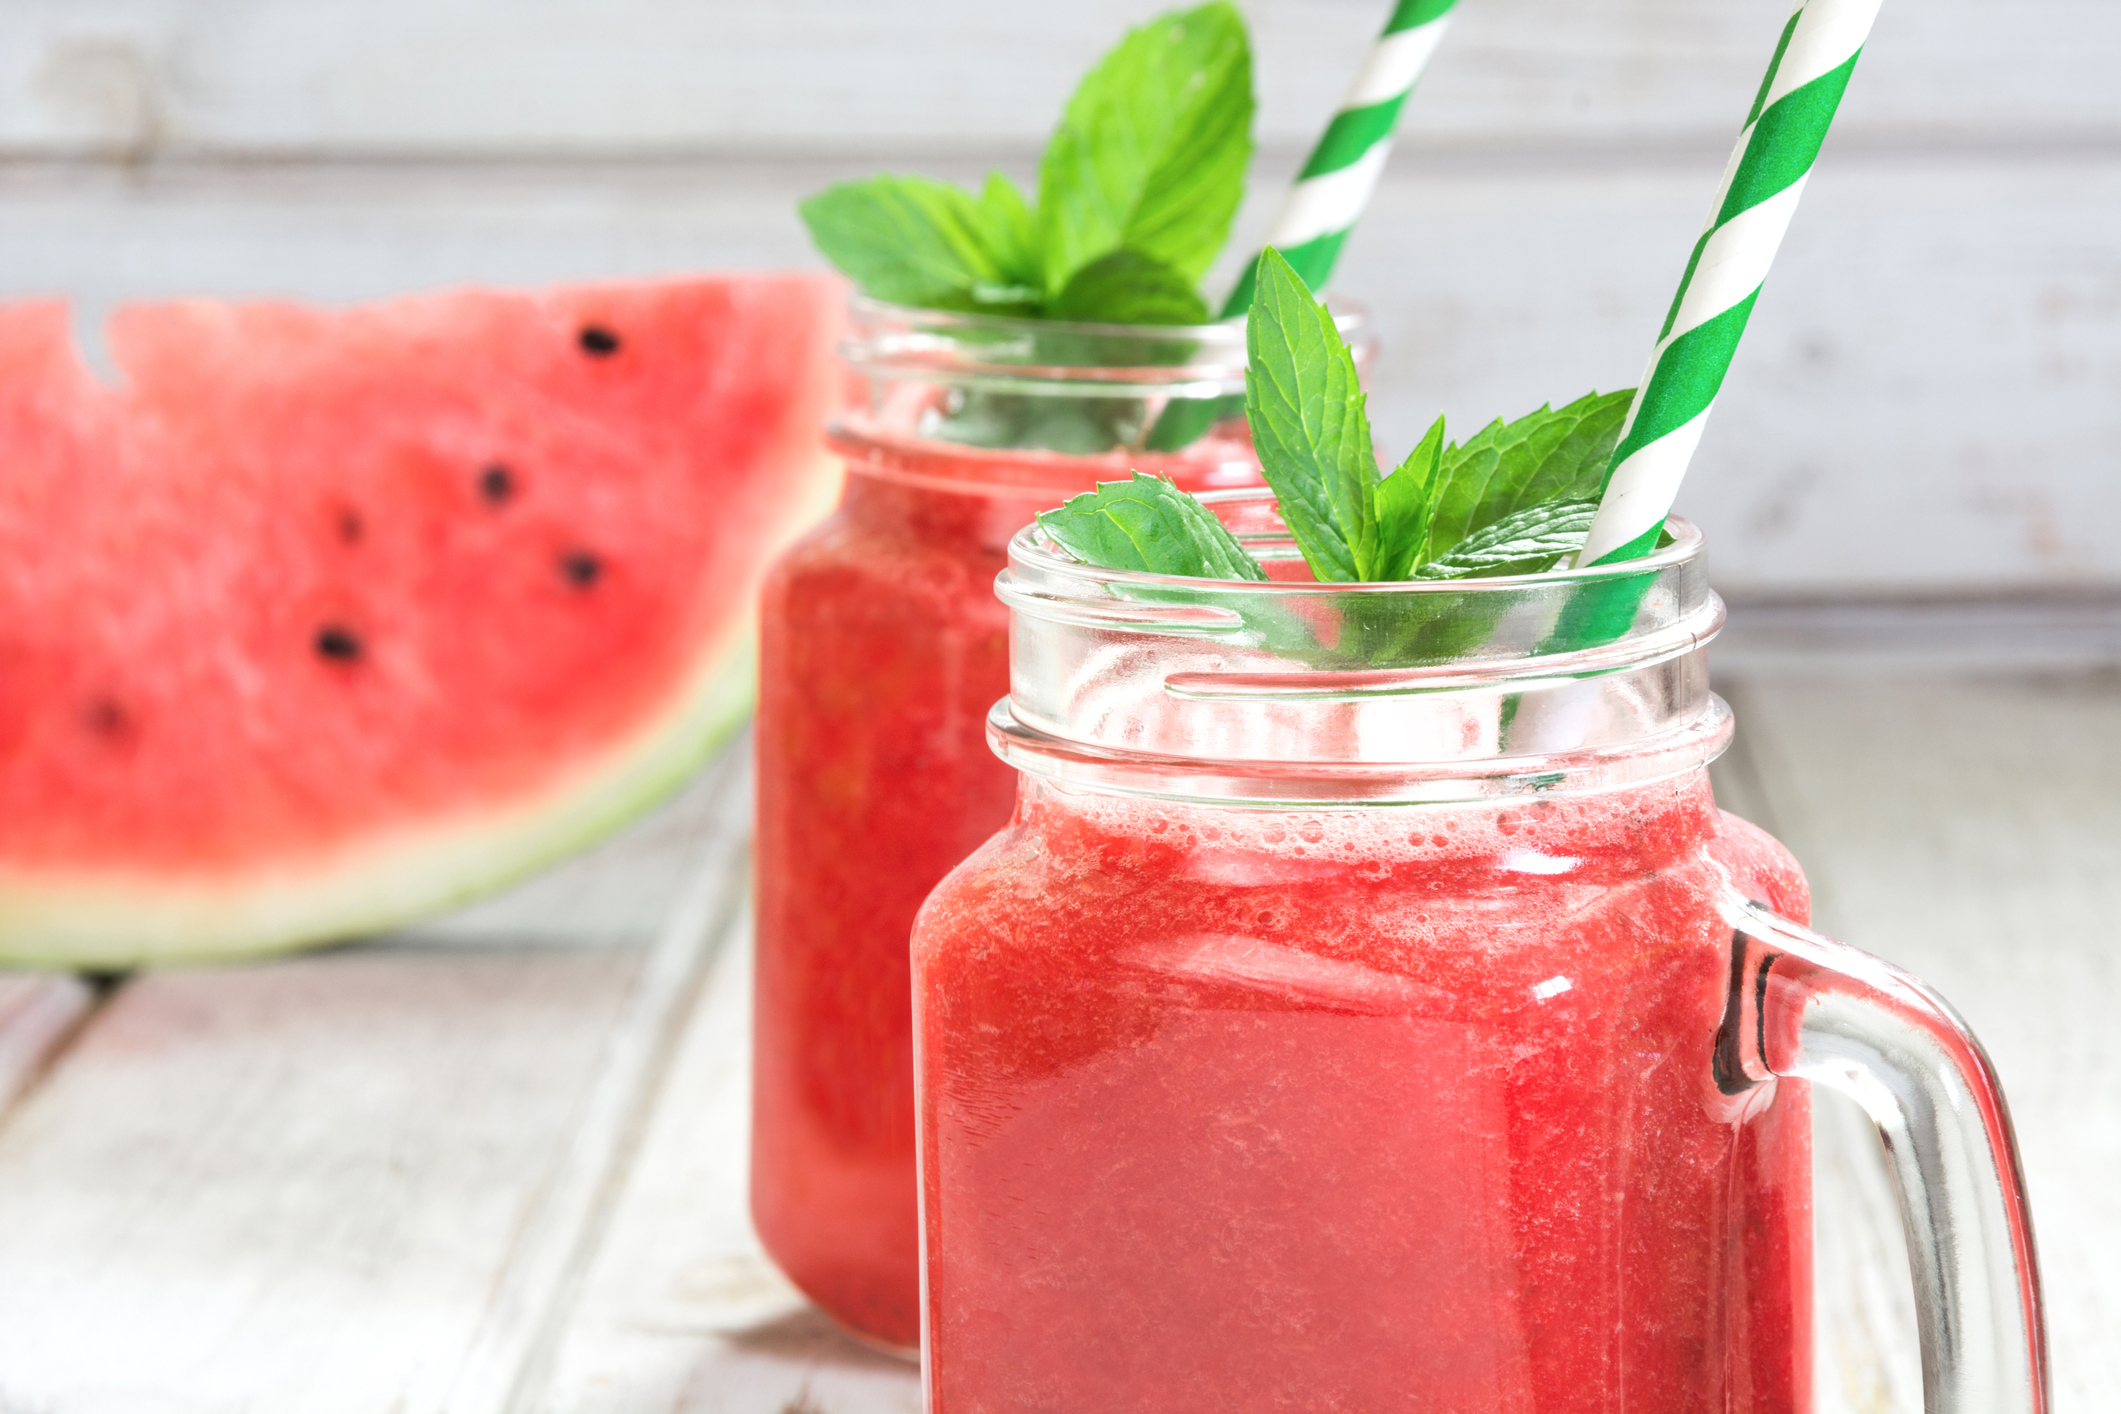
1385	1108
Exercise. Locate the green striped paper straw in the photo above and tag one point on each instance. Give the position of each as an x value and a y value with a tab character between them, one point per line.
1336	182
1760	188
1331	191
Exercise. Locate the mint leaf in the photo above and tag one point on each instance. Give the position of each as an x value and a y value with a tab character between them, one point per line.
1552	454
913	241
1137	191
1511	501
1525	542
1405	504
1127	287
1012	233
1309	427
1150	154
1148	524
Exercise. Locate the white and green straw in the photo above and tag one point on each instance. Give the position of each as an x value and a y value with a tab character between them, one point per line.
1760	188
1331	190
1342	171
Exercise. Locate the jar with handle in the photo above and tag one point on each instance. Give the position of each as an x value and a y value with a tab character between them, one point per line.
1368	1008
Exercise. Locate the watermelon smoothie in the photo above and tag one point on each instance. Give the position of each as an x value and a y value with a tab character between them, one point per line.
883	647
1396	1108
1367	1007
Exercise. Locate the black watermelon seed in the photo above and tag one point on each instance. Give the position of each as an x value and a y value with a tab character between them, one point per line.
338	644
351	527
497	483
597	341
105	718
581	568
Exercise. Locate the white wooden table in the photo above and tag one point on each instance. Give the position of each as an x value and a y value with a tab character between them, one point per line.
495	1165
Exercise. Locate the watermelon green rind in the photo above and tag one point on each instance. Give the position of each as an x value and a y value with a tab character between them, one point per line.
686	470
93	920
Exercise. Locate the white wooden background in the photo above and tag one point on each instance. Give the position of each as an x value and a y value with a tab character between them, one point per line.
1929	401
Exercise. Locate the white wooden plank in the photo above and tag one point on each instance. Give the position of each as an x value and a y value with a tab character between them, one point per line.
288	1186
2069	629
1939	350
550	1258
1928	397
360	1181
38	1015
367	230
1965	828
368	75
682	1311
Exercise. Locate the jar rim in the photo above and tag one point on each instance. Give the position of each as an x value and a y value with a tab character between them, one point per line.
1049	357
1352	692
868	311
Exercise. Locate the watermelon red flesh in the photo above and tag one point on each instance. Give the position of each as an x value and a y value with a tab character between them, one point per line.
329	617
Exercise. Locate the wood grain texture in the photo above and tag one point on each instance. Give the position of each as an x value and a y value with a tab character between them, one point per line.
1982	427
364	1180
1928	397
534	1296
356	1181
2068	631
1938	350
39	1014
129	76
1965	828
288	1186
682	1311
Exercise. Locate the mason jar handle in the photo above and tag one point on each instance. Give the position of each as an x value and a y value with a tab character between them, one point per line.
1806	1006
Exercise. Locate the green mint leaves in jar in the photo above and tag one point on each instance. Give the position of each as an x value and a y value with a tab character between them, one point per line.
1136	193
1516	498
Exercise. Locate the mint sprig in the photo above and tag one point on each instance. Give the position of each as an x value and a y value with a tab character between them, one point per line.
1524	542
1554	454
1151	151
913	241
1311	431
1127	287
1137	191
1515	499
1406	504
1313	438
1150	525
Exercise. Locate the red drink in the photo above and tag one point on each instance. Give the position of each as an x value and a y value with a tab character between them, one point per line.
1367	1008
883	647
1341	1021
1396	1108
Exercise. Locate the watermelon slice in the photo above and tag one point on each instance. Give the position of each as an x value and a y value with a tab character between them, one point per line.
326	619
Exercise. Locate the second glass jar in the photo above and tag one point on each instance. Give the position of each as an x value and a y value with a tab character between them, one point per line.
882	648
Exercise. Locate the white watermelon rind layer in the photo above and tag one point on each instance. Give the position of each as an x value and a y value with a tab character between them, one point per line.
115	921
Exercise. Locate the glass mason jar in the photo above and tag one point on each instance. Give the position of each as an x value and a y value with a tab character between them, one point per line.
882	646
1368	1008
